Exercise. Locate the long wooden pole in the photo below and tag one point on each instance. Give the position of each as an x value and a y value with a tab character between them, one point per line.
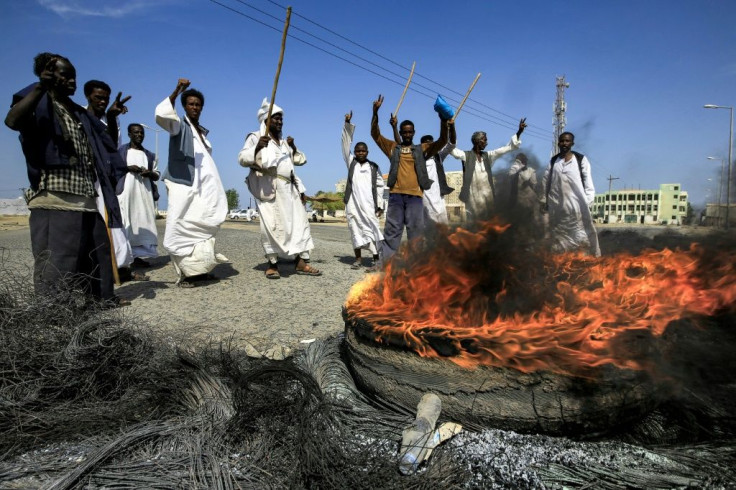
467	94
406	87
115	275
278	69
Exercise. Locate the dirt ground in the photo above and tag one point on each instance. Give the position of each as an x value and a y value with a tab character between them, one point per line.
13	222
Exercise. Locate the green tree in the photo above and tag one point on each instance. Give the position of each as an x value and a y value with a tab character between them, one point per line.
233	199
332	201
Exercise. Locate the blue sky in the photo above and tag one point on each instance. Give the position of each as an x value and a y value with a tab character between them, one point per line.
639	73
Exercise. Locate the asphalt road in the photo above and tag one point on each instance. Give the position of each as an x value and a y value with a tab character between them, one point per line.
241	306
244	307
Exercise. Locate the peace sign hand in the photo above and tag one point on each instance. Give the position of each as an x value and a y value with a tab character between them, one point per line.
118	106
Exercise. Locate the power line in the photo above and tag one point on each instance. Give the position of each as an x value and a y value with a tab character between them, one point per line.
470	110
515	119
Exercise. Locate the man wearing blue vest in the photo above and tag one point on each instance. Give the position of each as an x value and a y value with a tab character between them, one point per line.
407	179
197	201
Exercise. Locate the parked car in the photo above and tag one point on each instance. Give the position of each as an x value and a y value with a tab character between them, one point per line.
246	214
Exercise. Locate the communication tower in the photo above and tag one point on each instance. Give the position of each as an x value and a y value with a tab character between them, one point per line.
558	121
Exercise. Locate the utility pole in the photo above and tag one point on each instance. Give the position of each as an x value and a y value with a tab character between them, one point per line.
559	120
611	178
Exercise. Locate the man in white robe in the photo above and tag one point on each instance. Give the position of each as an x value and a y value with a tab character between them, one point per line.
523	199
478	191
197	200
434	197
363	197
279	193
136	200
569	190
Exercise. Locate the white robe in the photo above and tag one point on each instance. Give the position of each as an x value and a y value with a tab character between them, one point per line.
434	204
365	231
137	208
285	230
570	222
526	196
195	212
119	236
481	197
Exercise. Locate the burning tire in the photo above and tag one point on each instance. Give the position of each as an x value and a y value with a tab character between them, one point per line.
496	397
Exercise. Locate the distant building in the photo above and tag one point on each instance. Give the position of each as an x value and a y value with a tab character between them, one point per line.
715	214
668	205
340	186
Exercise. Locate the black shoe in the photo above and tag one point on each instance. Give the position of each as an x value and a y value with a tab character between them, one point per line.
138	262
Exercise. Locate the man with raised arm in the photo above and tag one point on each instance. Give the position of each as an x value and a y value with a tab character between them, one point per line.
363	197
97	94
434	198
71	162
407	179
478	191
197	201
279	193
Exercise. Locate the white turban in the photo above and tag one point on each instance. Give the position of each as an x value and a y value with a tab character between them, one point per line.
263	114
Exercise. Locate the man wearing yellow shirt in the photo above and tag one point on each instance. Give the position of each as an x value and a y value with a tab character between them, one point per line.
407	179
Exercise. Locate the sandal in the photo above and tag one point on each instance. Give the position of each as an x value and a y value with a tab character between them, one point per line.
356	265
308	270
117	302
138	276
185	284
272	273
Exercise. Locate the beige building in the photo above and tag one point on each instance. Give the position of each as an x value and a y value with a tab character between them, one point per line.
667	205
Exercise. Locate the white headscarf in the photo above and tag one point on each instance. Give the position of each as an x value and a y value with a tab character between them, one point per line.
263	114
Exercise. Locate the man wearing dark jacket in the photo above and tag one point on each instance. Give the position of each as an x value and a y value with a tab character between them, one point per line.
70	159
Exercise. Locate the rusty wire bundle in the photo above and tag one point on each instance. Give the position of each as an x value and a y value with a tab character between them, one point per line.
91	399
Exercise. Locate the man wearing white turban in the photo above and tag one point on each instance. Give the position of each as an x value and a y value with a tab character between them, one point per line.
197	201
279	193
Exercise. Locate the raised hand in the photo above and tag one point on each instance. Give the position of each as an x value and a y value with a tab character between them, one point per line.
118	106
47	78
348	117
262	142
182	84
522	125
377	103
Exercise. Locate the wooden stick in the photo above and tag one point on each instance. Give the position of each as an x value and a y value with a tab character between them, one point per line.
405	88
278	70
466	97
115	275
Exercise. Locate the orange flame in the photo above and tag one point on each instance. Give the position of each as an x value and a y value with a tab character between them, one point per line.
504	307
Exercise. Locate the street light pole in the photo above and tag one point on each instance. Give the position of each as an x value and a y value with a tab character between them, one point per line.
157	131
720	186
730	146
